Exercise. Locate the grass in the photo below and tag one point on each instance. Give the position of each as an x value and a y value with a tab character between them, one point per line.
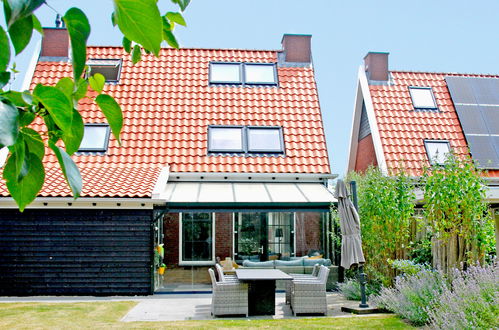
107	315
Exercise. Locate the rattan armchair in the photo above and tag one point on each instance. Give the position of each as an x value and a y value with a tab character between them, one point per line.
309	296
222	277
313	276
228	298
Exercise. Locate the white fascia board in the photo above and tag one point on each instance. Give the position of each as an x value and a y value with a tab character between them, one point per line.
160	185
249	177
354	132
30	71
84	203
4	152
373	124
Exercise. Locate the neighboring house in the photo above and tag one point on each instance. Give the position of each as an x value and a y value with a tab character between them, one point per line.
223	155
412	119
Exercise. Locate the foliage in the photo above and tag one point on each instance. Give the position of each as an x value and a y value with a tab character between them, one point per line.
412	295
456	209
351	289
472	302
420	251
385	209
141	24
407	267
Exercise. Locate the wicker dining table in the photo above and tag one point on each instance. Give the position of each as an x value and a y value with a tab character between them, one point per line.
261	288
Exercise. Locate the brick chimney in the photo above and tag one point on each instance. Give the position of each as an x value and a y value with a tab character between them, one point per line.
297	48
55	42
376	66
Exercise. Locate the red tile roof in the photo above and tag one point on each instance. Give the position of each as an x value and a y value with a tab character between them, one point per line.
167	106
403	130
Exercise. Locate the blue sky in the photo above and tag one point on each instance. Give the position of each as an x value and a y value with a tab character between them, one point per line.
421	35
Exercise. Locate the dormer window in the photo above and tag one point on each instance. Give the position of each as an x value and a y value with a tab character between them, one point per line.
95	138
423	98
437	151
243	73
109	68
245	139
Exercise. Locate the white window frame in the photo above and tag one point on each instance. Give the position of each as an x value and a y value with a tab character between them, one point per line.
431	158
106	142
425	107
181	262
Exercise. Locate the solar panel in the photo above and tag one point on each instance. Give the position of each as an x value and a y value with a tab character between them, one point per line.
476	101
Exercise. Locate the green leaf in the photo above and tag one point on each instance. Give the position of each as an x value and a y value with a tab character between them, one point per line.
20	33
25	189
4	78
9	121
112	111
66	86
97	82
166	24
57	104
72	139
18	9
182	3
79	30
26	118
127	45
140	21
136	54
5	47
176	17
69	169
37	25
34	141
170	39
113	19
16	98
81	89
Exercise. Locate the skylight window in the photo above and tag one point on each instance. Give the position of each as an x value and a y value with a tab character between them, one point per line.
437	151
95	138
422	98
265	139
247	139
260	73
109	68
243	73
225	139
225	73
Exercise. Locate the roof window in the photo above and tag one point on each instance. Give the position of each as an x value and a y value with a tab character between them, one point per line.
243	73
95	138
109	68
422	98
437	151
245	139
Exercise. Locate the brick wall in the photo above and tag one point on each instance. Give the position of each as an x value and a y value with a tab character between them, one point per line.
55	42
307	232
365	154
223	235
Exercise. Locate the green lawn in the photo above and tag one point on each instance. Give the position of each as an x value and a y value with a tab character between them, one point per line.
105	315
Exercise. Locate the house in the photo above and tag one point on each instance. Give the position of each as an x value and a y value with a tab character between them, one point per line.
223	155
418	117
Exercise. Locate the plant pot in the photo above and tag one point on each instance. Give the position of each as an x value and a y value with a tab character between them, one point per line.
161	270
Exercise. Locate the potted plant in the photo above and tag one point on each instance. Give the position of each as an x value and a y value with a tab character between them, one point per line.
161	269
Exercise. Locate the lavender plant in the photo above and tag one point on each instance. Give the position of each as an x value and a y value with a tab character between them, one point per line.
351	289
472	302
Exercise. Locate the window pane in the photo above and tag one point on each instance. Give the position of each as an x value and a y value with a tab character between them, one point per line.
257	73
225	73
437	152
225	139
422	98
95	138
197	237
109	68
264	139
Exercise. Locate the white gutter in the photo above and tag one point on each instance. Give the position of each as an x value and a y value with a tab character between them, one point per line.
250	177
84	203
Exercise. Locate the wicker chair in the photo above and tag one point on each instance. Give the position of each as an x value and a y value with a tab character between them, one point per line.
309	296
313	276
229	298
222	277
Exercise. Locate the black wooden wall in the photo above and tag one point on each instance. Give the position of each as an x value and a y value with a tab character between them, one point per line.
75	252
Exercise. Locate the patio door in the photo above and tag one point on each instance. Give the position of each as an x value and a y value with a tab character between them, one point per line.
262	236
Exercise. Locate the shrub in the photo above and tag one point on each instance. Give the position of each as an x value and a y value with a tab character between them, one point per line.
472	302
351	289
412	295
407	267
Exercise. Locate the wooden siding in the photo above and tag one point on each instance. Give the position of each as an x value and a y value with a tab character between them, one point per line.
75	252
